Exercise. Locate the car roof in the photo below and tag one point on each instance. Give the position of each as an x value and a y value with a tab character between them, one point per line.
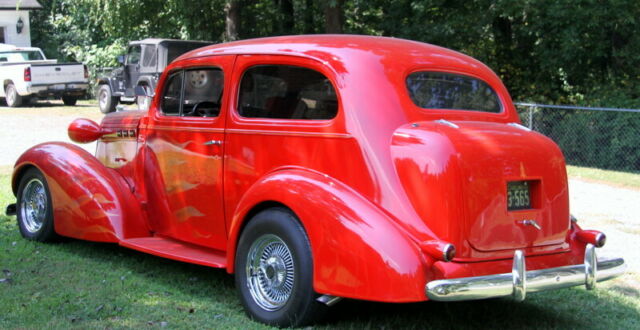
8	48
156	41
343	49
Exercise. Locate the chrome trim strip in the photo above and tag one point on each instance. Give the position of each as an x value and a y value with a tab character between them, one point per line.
446	122
519	281
329	300
289	133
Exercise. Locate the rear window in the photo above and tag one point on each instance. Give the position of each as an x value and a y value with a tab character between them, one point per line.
447	91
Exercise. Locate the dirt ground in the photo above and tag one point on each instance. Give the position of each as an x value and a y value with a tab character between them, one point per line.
614	210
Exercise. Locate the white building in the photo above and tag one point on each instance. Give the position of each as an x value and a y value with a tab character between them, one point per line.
14	24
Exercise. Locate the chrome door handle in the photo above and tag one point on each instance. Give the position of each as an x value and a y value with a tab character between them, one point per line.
213	143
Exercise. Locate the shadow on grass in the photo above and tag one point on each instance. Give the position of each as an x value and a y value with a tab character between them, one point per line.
569	308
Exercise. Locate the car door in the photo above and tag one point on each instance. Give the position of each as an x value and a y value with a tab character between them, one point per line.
184	153
132	68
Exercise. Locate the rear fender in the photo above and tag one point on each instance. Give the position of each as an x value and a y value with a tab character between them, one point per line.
358	251
90	201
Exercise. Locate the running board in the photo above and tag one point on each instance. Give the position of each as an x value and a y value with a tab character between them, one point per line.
177	250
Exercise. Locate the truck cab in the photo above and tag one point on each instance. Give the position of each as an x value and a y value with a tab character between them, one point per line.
141	66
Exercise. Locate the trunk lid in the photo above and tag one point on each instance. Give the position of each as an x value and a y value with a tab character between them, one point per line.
456	176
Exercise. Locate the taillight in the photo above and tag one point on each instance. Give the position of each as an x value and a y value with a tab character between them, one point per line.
27	74
592	237
86	72
439	250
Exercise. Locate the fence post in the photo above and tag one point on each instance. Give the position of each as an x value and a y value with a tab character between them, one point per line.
531	108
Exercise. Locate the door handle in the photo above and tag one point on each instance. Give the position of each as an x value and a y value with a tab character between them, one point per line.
213	143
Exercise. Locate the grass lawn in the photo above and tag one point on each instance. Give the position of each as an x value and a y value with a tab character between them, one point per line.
623	179
82	285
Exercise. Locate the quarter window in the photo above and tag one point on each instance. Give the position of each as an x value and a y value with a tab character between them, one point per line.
286	92
134	55
194	93
437	90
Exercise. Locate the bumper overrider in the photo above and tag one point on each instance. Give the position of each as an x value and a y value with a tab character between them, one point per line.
519	281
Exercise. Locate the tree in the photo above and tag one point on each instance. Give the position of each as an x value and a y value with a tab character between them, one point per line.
333	16
232	19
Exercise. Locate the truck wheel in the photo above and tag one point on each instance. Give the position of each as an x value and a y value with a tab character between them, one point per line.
106	101
13	98
144	101
69	100
274	271
34	207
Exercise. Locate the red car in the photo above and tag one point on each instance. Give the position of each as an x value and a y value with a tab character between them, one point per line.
316	168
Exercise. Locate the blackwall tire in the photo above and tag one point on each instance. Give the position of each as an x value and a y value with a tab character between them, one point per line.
12	97
106	101
35	208
274	271
69	100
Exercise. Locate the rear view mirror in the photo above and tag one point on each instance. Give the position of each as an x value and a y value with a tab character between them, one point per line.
120	59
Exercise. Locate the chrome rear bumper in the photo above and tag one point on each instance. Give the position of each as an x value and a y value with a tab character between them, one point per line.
519	281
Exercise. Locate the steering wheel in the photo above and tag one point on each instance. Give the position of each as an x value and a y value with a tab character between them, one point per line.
205	109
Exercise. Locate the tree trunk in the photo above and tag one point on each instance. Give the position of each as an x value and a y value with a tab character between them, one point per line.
309	26
232	22
287	23
333	17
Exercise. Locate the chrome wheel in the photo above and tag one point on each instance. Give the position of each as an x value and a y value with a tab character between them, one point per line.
270	272
33	205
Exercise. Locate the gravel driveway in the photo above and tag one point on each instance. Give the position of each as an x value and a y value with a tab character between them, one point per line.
614	210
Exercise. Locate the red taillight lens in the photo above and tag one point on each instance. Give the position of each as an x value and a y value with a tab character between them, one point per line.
439	250
86	72
592	237
27	74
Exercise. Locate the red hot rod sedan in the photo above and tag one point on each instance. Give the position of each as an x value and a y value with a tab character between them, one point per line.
316	168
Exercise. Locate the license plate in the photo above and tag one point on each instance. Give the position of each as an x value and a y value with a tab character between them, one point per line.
58	86
518	195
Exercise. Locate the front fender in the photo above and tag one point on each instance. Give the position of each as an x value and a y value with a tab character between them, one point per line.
358	251
90	201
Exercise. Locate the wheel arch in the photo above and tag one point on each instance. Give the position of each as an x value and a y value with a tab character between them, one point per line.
349	237
90	201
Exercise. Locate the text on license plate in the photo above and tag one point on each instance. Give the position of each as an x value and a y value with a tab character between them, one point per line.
518	195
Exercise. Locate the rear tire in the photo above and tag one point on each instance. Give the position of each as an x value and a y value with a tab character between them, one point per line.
274	271
34	208
106	101
69	100
12	97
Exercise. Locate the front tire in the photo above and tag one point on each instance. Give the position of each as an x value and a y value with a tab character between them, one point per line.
274	271
106	101
69	100
13	98
35	209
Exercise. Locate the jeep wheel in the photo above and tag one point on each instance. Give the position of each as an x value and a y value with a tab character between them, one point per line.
106	101
13	98
34	208
274	271
69	100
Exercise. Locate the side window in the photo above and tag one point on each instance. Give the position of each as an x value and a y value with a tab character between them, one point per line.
286	92
134	55
150	56
172	95
199	96
202	92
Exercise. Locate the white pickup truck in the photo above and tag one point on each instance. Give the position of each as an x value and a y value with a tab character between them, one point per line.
25	73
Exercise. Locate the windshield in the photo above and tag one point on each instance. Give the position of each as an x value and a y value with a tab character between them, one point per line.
21	56
448	91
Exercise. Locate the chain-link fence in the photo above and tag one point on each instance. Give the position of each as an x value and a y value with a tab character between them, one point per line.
606	138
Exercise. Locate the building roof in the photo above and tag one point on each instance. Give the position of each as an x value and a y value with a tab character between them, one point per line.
21	4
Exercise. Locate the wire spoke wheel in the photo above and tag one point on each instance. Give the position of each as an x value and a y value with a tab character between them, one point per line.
33	206
270	272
